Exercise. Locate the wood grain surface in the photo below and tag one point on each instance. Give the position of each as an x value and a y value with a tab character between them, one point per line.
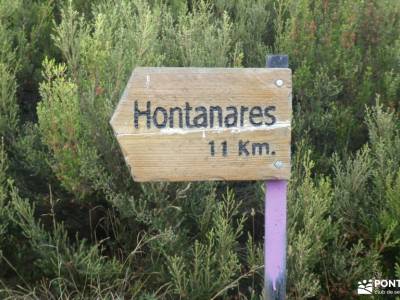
161	139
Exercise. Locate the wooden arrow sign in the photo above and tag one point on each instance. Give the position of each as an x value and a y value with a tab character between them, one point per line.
190	124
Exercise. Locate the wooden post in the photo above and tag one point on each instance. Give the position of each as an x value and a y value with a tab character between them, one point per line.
275	223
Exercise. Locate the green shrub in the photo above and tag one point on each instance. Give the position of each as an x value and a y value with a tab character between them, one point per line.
212	266
341	52
28	24
63	129
8	103
199	40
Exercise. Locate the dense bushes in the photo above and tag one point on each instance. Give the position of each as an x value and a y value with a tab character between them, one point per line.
74	225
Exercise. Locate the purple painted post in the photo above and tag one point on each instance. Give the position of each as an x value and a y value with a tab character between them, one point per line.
275	222
275	239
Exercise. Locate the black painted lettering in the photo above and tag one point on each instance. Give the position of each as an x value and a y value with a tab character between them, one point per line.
255	112
243	109
231	119
137	113
224	148
188	109
214	109
242	148
212	148
172	111
164	117
201	119
260	147
271	117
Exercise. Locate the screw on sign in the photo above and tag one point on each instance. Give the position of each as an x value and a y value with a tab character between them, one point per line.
198	124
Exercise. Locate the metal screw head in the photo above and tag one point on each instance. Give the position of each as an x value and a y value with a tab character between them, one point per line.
279	83
278	164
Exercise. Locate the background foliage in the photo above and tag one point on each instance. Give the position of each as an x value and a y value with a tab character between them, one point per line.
74	225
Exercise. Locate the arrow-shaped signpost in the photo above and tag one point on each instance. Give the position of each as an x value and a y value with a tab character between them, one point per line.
197	124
